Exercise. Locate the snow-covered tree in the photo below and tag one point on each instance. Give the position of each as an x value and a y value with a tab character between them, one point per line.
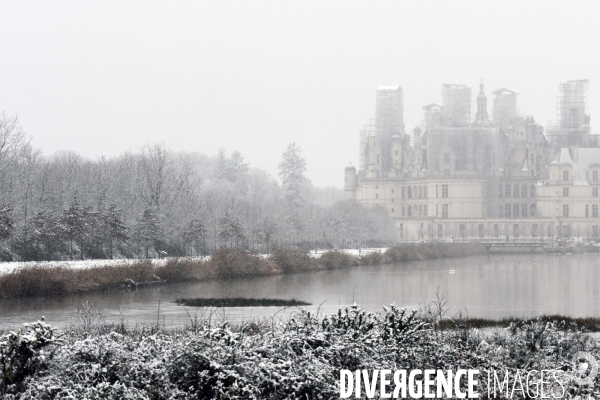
236	166
231	229
6	223
148	230
114	228
292	171
73	225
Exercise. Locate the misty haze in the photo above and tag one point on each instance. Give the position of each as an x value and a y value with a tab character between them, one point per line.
242	200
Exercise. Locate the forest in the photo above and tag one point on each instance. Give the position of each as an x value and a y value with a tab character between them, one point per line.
153	202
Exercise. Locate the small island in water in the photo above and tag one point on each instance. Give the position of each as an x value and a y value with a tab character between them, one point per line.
240	302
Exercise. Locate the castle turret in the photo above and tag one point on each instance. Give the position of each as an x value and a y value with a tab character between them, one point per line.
396	153
350	179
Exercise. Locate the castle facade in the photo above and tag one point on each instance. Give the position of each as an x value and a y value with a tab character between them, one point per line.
498	178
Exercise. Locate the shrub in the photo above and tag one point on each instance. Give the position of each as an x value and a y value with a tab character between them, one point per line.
288	359
234	263
23	353
372	259
294	260
337	259
183	270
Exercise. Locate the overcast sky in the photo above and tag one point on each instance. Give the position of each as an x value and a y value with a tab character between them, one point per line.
100	78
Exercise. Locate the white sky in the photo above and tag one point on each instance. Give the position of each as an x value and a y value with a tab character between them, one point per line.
103	77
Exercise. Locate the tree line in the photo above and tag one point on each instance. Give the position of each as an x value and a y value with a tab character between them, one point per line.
155	202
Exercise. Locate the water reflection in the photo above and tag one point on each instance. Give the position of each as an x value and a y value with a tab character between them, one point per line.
484	286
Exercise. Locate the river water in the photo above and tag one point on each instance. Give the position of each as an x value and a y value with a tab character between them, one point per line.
493	286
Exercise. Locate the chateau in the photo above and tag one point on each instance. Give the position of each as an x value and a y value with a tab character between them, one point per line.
499	178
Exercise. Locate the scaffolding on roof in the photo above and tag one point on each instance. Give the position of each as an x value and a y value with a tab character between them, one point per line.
571	104
456	100
368	129
504	107
572	125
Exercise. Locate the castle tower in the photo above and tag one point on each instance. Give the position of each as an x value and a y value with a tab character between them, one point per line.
505	108
481	117
456	100
389	121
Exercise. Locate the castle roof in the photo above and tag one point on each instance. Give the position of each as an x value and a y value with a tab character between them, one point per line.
585	158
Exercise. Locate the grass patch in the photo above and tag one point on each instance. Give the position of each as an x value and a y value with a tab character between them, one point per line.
240	302
589	324
44	280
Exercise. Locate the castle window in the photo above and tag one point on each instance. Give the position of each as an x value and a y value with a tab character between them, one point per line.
462	230
392	199
392	190
532	191
587	207
403	211
516	191
516	230
565	210
481	231
420	192
496	230
410	192
534	230
444	210
524	210
377	159
532	210
566	176
565	192
436	210
515	211
425	191
396	152
444	191
436	191
595	192
420	211
594	176
440	230
524	191
425	210
500	211
595	231
501	190
507	210
507	191
446	158
595	210
409	211
446	172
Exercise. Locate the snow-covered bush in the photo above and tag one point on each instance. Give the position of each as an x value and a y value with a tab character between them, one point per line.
299	358
24	352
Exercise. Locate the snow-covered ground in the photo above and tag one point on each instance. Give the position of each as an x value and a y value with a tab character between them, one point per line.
6	267
80	264
354	252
